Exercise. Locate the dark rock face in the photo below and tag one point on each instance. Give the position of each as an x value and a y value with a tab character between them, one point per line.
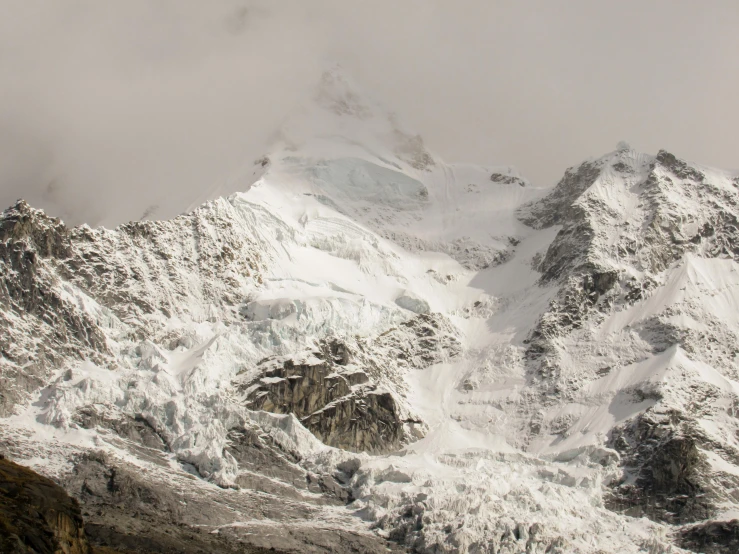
507	179
336	403
136	429
665	469
37	515
369	422
334	389
715	537
125	513
556	208
303	386
678	167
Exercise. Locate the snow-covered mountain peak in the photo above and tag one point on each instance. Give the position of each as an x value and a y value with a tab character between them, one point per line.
359	337
339	119
341	128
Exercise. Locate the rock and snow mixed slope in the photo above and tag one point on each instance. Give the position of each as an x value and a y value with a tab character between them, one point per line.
355	346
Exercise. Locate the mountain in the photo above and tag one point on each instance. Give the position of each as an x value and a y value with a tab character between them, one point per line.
354	346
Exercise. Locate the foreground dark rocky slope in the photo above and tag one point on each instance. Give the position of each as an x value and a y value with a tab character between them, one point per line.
37	515
114	511
115	515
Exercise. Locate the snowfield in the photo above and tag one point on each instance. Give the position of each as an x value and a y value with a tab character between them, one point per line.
537	350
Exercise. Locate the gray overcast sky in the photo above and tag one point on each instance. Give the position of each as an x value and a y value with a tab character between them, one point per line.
109	107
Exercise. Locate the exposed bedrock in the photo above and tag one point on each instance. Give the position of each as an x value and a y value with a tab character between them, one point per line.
332	398
37	516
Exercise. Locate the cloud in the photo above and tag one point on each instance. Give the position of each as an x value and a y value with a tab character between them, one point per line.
111	108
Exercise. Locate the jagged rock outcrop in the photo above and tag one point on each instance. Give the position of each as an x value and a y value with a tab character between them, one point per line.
507	179
369	421
335	389
666	471
339	407
557	207
715	537
337	403
134	428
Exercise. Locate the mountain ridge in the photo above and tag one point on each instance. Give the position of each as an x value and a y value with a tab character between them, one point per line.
366	348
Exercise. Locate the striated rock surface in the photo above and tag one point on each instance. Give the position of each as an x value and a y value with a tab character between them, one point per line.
37	515
336	390
340	408
715	537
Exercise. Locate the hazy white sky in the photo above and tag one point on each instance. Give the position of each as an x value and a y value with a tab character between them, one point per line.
109	107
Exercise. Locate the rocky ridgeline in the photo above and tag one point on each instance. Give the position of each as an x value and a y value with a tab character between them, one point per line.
673	210
63	290
339	407
40	328
624	220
